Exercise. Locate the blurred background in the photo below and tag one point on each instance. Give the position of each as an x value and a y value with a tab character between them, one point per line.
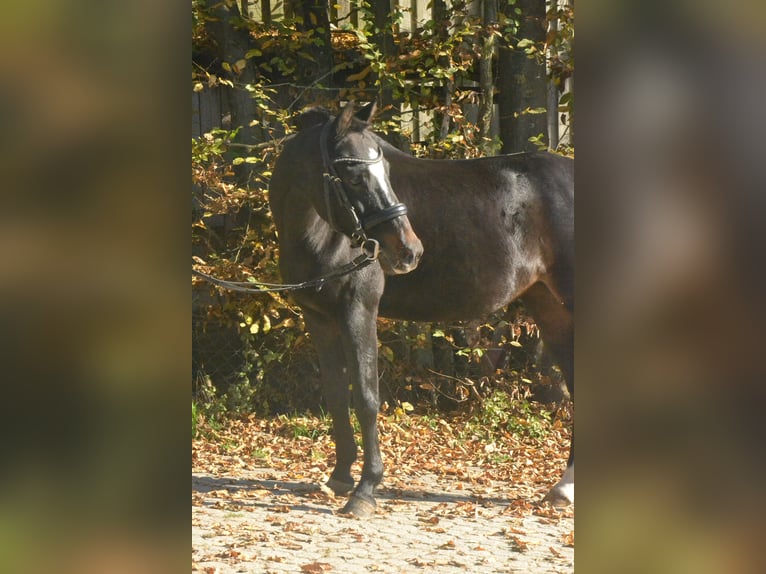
670	319
95	284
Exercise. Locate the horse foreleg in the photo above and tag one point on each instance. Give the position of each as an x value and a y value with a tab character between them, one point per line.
335	389
359	340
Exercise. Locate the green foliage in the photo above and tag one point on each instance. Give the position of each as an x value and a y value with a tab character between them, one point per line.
540	141
510	412
306	426
207	410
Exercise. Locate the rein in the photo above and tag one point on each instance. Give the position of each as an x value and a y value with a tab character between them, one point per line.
359	262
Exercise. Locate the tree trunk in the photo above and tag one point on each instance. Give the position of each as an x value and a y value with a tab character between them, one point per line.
314	73
384	40
232	41
522	83
441	17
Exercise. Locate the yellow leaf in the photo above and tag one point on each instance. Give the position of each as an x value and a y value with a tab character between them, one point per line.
289	322
407	407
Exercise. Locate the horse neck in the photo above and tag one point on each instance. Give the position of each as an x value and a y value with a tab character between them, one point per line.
312	185
301	202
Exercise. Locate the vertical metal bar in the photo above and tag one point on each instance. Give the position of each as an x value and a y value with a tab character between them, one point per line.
552	104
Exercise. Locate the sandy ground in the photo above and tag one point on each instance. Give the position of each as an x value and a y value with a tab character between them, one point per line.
267	521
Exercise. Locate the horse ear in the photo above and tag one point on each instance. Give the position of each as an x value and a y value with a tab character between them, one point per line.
367	112
343	121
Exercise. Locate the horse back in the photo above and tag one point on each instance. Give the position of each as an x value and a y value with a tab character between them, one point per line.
490	228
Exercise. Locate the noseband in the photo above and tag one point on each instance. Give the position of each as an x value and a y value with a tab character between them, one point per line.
333	183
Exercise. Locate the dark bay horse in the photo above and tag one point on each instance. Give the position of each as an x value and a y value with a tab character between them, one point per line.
488	231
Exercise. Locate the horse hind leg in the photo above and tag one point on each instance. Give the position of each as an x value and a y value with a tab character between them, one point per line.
556	321
335	387
562	493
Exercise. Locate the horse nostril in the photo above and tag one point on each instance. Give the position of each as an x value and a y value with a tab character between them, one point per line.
410	257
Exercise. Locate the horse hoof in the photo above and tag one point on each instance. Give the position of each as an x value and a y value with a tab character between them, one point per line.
340	488
557	499
359	507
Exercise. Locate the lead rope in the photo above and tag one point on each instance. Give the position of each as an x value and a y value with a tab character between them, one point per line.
370	252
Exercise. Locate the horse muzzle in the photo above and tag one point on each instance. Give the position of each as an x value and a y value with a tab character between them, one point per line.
401	255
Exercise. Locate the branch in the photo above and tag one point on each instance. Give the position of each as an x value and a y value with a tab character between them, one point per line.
311	85
263	145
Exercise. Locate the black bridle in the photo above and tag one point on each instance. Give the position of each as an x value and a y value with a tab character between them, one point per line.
370	247
332	182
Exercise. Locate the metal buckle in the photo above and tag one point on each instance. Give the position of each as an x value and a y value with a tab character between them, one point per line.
371	248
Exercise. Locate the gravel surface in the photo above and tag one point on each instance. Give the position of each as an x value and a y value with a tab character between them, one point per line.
267	521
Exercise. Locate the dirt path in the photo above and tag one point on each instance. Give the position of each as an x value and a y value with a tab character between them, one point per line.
268	521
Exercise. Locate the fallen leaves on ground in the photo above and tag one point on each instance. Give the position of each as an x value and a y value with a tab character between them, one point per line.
316	567
281	464
513	475
517	471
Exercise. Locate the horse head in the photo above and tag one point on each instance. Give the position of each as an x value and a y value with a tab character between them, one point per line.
359	199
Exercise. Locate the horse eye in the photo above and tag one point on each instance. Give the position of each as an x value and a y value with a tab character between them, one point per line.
356	179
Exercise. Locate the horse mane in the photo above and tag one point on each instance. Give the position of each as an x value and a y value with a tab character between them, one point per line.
311	117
